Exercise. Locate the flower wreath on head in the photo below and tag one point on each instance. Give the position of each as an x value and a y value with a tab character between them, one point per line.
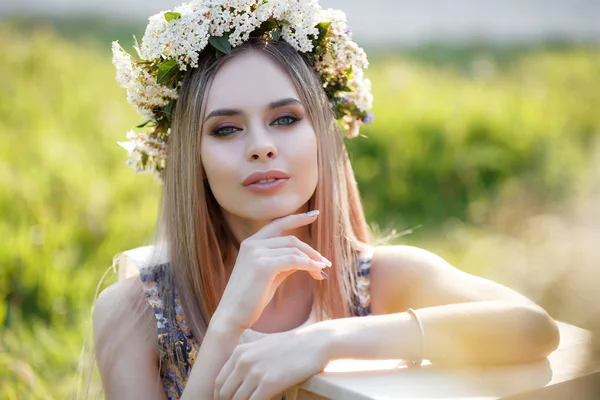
173	40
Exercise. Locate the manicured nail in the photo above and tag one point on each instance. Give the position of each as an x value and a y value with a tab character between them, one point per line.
326	261
312	213
324	274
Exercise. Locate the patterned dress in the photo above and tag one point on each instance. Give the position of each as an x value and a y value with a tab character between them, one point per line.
186	347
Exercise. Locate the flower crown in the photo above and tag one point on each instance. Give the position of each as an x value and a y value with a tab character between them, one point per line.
173	40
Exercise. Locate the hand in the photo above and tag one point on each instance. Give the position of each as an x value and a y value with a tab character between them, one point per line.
266	259
272	364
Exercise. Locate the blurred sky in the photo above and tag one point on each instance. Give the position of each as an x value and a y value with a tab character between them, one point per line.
400	21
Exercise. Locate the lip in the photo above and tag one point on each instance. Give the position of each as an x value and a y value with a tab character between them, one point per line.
267	187
253	178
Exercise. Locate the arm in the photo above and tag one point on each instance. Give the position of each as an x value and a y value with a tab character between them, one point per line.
126	352
263	262
129	365
467	320
125	343
218	345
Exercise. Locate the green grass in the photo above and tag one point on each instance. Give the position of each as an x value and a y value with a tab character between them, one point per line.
449	139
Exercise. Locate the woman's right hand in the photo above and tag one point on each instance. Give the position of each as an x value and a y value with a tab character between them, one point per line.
266	259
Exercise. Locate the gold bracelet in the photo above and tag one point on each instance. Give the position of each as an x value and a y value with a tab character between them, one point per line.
416	363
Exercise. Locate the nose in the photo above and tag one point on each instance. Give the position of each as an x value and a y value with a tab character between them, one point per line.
261	146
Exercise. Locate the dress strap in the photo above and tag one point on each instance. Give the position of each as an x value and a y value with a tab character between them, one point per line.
362	300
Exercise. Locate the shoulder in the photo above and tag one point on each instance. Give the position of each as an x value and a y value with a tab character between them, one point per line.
410	277
399	272
408	262
125	342
119	305
124	328
119	296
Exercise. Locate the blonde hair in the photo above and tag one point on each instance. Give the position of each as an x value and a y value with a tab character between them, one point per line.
200	243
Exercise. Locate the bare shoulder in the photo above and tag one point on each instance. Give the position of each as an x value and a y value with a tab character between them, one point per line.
412	260
112	296
125	341
407	276
120	303
397	272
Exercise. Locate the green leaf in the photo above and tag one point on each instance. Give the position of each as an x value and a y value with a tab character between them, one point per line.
346	89
338	113
220	43
169	16
323	28
269	25
166	71
284	22
276	34
168	110
143	124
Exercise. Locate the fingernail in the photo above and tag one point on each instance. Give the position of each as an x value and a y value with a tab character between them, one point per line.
326	261
312	213
324	274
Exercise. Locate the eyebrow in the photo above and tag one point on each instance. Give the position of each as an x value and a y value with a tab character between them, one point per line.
229	112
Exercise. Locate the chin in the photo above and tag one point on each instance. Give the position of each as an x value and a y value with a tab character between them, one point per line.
277	208
271	213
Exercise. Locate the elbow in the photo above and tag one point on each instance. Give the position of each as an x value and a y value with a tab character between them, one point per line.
541	333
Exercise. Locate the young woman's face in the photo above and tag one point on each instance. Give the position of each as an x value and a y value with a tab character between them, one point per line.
255	122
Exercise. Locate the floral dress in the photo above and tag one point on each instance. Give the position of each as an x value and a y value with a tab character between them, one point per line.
186	347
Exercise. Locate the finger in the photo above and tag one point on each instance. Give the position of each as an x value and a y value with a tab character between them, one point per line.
293	241
282	276
283	251
245	390
280	225
317	274
230	387
292	262
224	384
262	392
320	275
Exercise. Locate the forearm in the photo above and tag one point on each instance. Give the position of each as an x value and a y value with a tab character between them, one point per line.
465	333
218	345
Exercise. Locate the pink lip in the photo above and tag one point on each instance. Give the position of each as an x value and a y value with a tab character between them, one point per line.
267	187
262	175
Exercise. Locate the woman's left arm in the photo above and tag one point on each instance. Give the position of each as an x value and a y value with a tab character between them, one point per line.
466	319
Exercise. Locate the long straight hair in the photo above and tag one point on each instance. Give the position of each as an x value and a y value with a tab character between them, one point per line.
199	242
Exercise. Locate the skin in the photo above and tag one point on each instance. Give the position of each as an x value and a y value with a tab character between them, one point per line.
467	319
253	125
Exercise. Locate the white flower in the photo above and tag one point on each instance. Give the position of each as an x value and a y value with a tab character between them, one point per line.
187	33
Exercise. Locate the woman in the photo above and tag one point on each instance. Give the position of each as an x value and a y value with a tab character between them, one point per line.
270	255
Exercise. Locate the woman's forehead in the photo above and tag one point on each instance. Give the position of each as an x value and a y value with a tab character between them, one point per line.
249	80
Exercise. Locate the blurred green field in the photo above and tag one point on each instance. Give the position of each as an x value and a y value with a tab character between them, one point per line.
454	138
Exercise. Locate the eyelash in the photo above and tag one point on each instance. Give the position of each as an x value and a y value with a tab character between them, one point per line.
216	132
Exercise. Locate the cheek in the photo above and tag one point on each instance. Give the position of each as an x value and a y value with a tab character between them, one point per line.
306	160
221	170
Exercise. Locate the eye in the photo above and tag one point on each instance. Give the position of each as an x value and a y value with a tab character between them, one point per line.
285	121
224	131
